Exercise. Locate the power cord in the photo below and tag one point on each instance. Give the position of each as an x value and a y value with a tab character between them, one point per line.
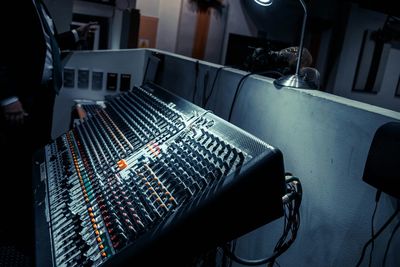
205	85
291	202
377	234
240	84
207	98
196	77
377	197
389	242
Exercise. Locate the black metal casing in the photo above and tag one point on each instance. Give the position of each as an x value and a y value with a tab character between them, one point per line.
240	202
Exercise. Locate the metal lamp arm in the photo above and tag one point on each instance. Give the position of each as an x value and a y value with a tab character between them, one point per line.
294	80
303	29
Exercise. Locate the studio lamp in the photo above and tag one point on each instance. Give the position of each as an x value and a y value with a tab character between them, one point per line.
294	80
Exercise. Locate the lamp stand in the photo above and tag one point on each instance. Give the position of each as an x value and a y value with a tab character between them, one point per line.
296	80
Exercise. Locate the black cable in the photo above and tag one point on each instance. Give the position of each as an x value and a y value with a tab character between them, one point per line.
246	261
390	241
372	234
277	73
376	235
233	249
377	197
196	73
237	93
293	202
212	86
207	98
270	259
291	226
205	85
225	261
241	82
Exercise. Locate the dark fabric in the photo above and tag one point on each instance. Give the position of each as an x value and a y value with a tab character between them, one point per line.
23	48
17	146
55	49
22	57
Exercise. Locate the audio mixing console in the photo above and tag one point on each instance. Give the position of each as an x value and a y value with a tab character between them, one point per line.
150	177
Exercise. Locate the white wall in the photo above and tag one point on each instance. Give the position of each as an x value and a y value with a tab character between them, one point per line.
177	25
360	20
149	7
168	13
325	141
215	45
215	40
168	25
121	61
186	30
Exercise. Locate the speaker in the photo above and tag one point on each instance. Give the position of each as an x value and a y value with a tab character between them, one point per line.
382	168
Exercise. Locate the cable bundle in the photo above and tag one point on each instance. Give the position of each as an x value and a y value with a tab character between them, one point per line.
291	202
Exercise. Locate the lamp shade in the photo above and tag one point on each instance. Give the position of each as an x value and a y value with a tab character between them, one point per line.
264	2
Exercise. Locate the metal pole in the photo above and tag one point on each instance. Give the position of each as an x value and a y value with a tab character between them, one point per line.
303	28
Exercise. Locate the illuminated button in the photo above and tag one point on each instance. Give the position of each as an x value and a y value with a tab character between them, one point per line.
122	164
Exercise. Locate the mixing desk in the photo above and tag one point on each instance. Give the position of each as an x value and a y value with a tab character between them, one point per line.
149	177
